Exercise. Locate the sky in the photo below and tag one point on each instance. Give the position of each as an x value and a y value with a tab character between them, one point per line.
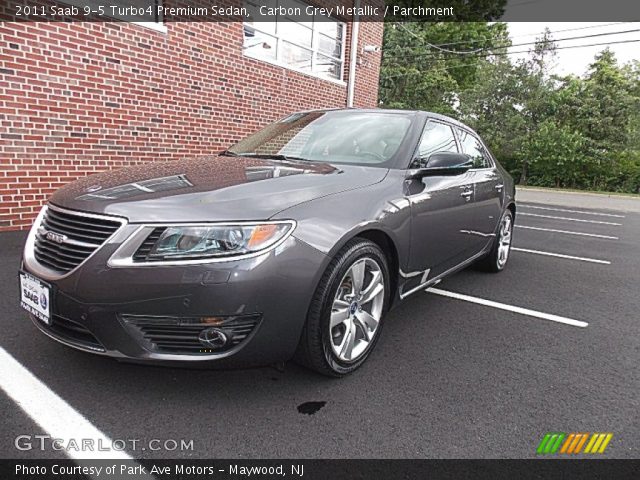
576	60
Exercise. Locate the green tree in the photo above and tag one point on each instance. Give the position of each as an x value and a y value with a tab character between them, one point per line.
609	99
508	103
604	108
554	155
417	73
493	106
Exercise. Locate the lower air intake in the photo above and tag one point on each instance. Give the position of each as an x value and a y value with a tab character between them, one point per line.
71	332
184	335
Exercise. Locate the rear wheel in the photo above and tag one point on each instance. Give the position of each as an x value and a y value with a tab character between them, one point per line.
497	258
345	316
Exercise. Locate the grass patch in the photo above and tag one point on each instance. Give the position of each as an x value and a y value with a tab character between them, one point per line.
575	190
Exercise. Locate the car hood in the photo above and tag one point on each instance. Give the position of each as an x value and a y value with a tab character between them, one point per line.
218	188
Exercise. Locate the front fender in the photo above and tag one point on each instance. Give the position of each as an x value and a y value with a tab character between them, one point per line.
328	223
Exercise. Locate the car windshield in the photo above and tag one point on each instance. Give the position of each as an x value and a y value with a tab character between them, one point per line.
364	138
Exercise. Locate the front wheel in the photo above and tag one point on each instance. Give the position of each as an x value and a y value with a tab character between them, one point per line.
345	316
496	259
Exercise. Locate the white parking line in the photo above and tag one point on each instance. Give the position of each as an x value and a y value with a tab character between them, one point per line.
560	255
55	416
524	205
510	308
568	232
568	219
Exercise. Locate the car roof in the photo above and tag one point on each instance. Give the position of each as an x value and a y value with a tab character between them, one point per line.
436	116
364	110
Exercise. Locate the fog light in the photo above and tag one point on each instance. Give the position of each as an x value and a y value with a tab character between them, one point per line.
213	338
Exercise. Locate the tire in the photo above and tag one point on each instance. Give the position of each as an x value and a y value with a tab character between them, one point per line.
326	348
497	258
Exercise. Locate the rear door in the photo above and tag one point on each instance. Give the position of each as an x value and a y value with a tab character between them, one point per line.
488	189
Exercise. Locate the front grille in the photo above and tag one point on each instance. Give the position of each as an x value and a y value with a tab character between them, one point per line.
64	239
179	335
71	332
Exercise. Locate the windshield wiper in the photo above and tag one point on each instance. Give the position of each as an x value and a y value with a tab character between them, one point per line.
229	153
267	156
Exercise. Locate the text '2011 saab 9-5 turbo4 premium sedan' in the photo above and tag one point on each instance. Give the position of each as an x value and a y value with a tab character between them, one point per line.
293	243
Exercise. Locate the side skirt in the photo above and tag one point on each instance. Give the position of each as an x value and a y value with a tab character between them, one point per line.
452	270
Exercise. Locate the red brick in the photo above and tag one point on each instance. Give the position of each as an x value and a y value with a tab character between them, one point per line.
71	109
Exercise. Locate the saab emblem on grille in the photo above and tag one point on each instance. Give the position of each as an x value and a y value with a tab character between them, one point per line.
55	237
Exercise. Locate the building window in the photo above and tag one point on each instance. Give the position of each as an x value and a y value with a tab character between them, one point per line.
313	44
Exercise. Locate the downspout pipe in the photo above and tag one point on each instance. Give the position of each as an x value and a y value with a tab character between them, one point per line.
353	54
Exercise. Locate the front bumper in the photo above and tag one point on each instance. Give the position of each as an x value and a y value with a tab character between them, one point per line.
90	305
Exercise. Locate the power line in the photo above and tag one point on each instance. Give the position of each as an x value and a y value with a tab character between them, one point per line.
436	46
567	47
502	54
528	34
579	37
573	29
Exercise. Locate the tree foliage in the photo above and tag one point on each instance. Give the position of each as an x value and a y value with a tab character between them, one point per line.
415	75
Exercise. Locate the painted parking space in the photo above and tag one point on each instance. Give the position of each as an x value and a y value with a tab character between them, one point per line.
526	207
570	223
570	219
510	308
561	255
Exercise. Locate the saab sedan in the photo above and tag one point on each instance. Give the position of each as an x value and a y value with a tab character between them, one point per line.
291	244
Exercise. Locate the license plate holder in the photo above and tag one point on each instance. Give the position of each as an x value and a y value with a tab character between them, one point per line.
35	297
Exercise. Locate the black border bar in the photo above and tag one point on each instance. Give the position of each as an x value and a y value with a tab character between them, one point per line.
180	469
369	10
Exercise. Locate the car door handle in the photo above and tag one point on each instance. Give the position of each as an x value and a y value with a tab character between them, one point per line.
499	187
467	194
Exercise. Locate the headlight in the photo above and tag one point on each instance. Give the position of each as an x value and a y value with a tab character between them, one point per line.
211	241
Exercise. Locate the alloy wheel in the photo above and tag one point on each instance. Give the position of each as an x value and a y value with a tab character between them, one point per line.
504	241
357	309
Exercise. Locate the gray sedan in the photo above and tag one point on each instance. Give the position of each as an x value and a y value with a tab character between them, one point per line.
293	243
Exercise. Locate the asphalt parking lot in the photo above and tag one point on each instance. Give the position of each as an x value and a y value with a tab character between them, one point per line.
449	377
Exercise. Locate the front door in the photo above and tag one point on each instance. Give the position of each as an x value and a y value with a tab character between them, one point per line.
442	212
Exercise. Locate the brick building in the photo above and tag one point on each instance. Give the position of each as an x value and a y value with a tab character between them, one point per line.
79	98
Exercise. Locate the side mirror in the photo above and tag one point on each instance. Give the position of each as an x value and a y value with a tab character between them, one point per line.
443	164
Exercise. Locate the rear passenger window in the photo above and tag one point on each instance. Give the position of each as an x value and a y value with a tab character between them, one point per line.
472	147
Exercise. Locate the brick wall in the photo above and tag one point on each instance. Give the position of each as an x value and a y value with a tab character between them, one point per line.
78	98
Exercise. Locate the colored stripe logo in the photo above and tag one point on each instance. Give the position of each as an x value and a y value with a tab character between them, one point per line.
573	443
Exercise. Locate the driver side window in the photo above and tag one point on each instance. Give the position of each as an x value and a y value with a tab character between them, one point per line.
437	137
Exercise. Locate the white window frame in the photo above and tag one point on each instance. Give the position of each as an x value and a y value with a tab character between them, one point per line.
315	41
157	26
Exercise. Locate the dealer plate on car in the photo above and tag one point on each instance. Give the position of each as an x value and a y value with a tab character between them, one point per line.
35	297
